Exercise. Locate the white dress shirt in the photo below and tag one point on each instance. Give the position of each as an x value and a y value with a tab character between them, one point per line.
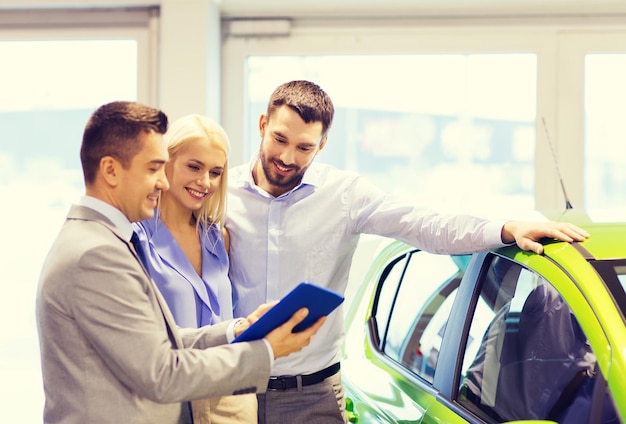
310	234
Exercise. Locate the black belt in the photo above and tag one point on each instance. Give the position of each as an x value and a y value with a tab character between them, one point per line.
289	382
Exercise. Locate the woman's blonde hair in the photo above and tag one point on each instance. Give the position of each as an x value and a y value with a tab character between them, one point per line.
194	127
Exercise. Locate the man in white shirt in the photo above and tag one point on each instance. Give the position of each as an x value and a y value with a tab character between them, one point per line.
292	220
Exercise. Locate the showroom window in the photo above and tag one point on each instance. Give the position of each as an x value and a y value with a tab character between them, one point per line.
605	102
452	112
426	126
53	77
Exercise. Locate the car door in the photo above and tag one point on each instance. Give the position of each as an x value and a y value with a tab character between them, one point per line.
533	360
410	308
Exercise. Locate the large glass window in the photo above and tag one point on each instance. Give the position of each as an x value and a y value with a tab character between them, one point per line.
605	158
430	107
424	125
49	85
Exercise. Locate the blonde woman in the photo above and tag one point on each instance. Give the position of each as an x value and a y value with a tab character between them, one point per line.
186	244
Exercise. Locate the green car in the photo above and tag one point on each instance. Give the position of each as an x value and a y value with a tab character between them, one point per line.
499	336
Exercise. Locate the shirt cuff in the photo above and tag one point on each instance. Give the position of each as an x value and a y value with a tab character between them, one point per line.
230	336
230	330
493	234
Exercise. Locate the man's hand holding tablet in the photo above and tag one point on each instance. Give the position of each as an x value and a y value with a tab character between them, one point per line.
289	324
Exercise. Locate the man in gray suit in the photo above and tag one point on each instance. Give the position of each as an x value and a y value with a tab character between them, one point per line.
110	350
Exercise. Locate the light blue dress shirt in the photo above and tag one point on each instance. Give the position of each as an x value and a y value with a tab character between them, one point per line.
310	234
194	301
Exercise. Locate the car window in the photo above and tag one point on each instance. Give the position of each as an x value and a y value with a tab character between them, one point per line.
613	273
528	357
387	291
420	311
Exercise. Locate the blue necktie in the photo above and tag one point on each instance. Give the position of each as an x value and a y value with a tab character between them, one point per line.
138	249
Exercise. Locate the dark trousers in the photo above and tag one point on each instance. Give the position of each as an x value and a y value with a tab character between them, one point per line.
321	403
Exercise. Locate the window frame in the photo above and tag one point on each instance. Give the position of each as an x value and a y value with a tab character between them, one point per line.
378	340
140	24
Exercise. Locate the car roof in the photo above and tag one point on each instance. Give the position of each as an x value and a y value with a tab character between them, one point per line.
607	238
606	241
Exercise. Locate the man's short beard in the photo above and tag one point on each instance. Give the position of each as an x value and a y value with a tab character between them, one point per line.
284	183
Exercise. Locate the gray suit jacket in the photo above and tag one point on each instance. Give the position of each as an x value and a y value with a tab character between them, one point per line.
110	350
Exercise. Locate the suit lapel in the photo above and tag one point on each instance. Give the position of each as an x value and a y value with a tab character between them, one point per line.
85	213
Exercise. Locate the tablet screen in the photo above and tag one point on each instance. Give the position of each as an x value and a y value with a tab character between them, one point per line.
319	300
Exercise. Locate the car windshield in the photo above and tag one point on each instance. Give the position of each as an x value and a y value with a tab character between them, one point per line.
613	272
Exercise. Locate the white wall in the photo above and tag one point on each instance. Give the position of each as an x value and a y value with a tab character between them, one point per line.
190	58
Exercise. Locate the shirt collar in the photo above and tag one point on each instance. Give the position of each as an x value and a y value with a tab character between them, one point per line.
312	177
111	212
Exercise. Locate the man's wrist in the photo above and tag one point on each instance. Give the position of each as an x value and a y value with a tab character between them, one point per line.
233	330
238	323
506	235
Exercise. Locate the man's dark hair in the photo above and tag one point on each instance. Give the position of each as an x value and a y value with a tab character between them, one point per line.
113	130
307	99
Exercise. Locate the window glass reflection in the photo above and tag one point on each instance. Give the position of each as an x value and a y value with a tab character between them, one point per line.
421	312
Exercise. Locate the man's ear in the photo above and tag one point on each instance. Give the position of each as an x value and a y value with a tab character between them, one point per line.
323	143
109	169
262	124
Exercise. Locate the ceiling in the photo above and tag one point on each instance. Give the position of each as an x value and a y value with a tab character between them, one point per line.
360	8
417	8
